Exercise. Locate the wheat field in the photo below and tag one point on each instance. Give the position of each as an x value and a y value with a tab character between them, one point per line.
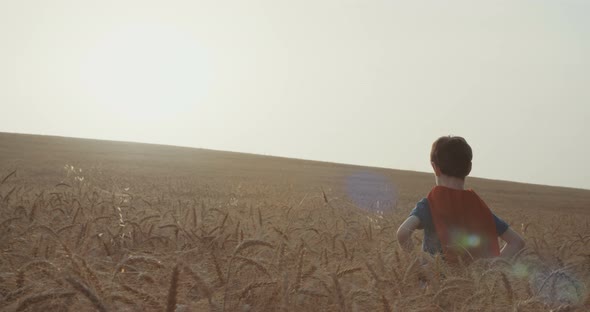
96	225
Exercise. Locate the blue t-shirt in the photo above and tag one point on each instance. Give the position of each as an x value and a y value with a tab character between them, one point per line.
431	242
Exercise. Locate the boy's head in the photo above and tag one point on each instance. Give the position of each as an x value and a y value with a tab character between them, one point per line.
452	156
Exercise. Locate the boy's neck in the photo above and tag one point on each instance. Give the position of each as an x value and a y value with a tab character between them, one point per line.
450	182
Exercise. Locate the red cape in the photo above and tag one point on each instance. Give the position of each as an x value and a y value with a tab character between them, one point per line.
464	224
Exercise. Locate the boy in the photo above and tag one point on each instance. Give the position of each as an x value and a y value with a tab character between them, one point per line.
456	222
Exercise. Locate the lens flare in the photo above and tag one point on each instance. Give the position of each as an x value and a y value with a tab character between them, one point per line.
559	287
521	270
556	286
464	240
472	240
371	191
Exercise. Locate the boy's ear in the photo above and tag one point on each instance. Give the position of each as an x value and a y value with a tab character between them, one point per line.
436	169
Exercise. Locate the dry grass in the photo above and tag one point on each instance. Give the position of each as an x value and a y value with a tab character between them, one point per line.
158	228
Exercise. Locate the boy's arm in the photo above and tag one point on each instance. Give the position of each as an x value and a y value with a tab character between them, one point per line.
514	243
404	233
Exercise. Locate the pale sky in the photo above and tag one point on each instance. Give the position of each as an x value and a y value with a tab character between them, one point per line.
363	82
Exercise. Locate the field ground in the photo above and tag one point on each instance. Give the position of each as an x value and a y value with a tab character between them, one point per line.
111	226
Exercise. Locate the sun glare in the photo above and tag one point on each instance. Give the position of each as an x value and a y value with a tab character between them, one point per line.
146	71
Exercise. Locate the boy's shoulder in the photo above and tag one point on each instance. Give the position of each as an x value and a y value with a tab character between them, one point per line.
422	211
422	205
423	202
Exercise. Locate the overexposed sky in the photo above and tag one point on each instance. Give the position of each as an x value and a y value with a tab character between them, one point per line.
363	82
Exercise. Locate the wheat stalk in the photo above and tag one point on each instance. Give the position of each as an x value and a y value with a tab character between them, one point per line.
153	302
254	263
299	268
443	292
253	286
338	293
348	271
35	264
249	244
201	284
508	287
14	295
13	173
39	298
123	299
173	290
89	274
88	293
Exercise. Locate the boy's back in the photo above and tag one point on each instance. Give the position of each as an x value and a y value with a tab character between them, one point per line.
456	222
464	224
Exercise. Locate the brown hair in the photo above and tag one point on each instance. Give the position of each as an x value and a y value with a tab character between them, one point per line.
452	155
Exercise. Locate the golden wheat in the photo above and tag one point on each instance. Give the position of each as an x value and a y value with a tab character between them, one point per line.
260	247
